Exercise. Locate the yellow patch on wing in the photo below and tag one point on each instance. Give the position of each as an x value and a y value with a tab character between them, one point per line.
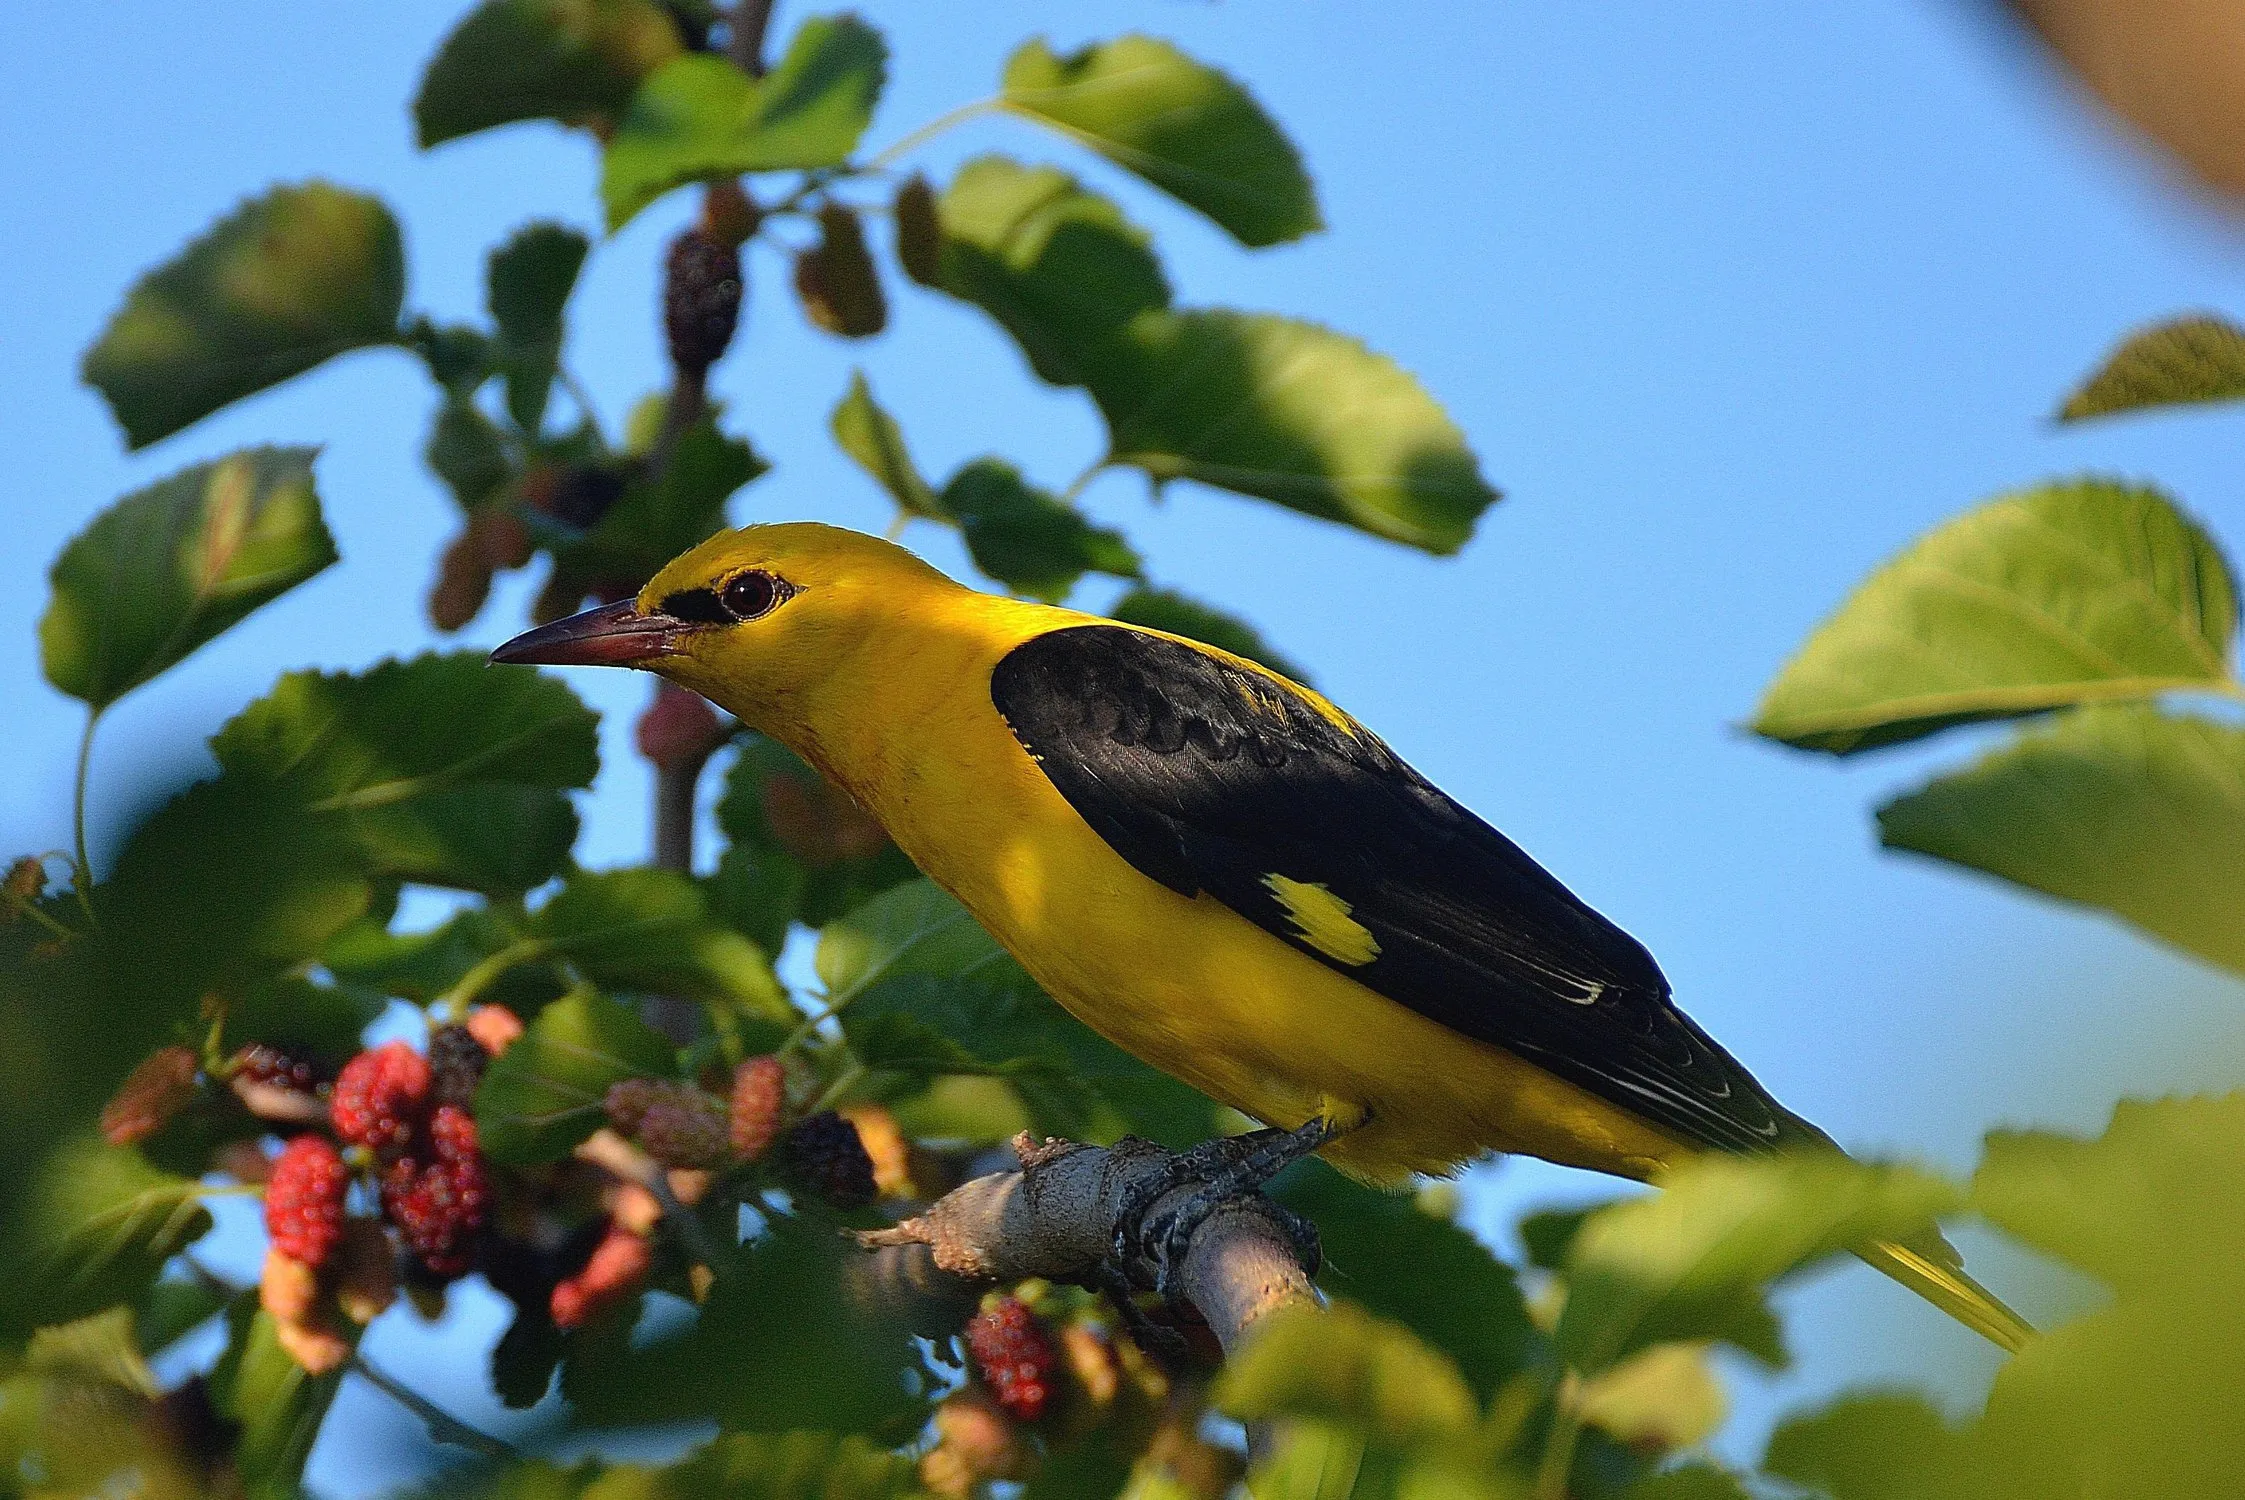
1322	920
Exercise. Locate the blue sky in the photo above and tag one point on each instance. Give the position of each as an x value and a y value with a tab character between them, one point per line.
1733	301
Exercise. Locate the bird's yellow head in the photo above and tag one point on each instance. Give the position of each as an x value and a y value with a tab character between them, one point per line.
755	619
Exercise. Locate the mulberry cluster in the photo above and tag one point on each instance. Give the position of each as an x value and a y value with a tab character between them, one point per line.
675	1123
618	1269
758	1105
304	1200
381	1099
456	1063
824	1154
439	1203
1014	1356
701	299
278	1067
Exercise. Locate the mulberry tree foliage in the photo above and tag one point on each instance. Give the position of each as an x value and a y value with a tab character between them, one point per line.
593	1092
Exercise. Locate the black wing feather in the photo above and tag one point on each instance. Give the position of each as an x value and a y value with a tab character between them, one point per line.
1209	776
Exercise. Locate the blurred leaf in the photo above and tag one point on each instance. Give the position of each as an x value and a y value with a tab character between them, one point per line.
458	357
799	849
1690	1482
2117	806
467	451
303	1018
836	281
2174	364
2165	67
285	282
97	1228
1057	266
1029	540
648	930
872	439
2160	1193
279	1406
791	1466
543	1095
1658	1400
1398	1261
700	117
1340	1364
2067	593
173	1308
1294	413
1870	1447
168	567
832	1362
1321	1461
655	520
531	277
101	1348
525	1358
1173	613
1692	1261
1180	124
416	966
575	61
1548	1235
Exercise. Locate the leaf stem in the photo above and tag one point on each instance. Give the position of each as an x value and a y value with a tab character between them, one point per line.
843	1082
442	1425
82	878
487	971
1558	1460
1077	484
931	130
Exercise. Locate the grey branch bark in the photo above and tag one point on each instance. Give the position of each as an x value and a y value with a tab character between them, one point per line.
1055	1218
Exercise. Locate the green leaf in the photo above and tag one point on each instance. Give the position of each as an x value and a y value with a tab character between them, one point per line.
1031	541
283	283
168	567
531	277
97	1229
1174	614
700	117
1388	1254
1877	1446
458	357
304	1018
1181	125
791	1466
2159	1193
172	1309
543	1094
2068	593
649	930
467	451
800	849
2119	806
1692	1261
1689	1482
654	521
1342	1365
1290	412
1057	266
575	61
434	770
415	966
872	439
915	928
2175	364
279	1406
836	1361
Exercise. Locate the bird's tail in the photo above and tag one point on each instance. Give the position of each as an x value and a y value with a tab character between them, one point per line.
1940	1280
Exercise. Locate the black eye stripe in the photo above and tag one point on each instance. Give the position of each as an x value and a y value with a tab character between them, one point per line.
696	607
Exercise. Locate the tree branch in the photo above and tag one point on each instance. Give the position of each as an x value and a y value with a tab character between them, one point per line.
750	18
1056	1218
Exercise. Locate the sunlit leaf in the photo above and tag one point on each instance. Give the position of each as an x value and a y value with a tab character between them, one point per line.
1657	1400
1688	1482
279	1406
543	1094
2174	364
530	279
1693	1260
286	281
1291	412
575	61
99	1225
1178	123
648	930
700	117
875	443
1345	1366
168	567
1029	540
2121	807
1879	1446
2072	592
1169	611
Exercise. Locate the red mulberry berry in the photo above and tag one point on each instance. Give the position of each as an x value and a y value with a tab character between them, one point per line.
618	1268
279	1067
759	1101
381	1098
304	1199
679	729
1014	1356
494	1027
456	1064
162	1086
825	1155
702	287
439	1206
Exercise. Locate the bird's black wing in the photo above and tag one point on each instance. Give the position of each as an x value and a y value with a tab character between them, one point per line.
1209	775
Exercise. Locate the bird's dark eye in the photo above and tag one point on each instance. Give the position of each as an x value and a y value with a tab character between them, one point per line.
751	595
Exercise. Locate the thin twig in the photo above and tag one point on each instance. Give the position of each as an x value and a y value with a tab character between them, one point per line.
442	1425
750	18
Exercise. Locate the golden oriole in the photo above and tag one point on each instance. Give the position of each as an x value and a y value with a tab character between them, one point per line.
1217	869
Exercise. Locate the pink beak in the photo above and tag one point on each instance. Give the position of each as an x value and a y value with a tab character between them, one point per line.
613	635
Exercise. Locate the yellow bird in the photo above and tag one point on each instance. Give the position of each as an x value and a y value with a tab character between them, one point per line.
1216	869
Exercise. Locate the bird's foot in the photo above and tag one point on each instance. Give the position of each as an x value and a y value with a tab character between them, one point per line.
1158	1232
